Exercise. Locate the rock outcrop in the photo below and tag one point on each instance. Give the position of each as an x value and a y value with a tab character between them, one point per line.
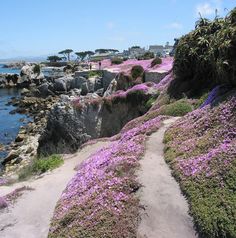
28	76
73	122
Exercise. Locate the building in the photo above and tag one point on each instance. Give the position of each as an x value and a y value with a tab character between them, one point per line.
160	49
156	49
136	51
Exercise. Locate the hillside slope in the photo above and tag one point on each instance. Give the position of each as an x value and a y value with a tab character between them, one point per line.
201	150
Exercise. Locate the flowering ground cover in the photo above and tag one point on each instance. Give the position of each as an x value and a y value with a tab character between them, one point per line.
138	92
201	150
127	65
100	200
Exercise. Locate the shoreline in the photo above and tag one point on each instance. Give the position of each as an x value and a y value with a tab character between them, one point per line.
24	146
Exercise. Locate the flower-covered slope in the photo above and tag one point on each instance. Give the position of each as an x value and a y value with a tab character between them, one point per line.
99	201
127	65
201	149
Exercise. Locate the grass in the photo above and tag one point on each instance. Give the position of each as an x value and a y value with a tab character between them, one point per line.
40	165
95	73
178	108
201	100
151	101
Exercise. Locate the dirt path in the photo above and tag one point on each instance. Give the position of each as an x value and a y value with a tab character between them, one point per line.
166	210
30	216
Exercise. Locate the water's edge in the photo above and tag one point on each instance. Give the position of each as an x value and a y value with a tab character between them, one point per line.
9	123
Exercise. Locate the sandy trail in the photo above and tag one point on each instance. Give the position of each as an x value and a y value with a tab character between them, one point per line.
166	210
30	216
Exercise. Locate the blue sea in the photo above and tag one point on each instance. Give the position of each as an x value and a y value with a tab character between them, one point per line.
9	123
8	70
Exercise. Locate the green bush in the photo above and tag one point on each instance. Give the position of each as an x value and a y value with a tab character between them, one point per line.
201	100
117	60
96	73
41	165
37	69
204	57
151	101
156	61
137	71
146	56
178	108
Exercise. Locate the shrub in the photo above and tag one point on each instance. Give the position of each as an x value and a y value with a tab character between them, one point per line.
178	108
37	69
204	58
95	73
137	71
156	61
41	165
151	101
117	60
146	56
201	100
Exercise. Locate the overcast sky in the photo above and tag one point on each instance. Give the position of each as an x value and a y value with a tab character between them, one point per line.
43	27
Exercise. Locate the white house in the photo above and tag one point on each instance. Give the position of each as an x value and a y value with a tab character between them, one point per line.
160	49
136	51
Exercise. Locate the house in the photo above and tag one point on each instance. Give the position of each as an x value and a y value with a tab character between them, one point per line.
160	49
136	51
156	49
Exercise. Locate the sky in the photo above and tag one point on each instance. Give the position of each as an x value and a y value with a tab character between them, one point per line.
45	27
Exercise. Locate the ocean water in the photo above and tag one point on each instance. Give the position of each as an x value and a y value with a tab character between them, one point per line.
9	123
8	70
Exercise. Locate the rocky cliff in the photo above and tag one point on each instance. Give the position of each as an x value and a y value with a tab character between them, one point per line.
74	121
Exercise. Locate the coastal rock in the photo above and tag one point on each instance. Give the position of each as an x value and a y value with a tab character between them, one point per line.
99	92
44	89
12	155
15	65
63	84
25	91
28	76
98	84
1	147
111	88
73	122
77	82
84	88
20	138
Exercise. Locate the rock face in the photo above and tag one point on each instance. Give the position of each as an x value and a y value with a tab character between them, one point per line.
70	124
27	76
155	77
111	88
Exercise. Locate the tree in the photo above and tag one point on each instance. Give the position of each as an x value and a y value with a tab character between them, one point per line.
135	47
113	50
83	54
54	58
102	51
66	53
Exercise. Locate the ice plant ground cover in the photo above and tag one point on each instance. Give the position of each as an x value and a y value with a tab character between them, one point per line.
201	150
100	200
127	65
136	92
